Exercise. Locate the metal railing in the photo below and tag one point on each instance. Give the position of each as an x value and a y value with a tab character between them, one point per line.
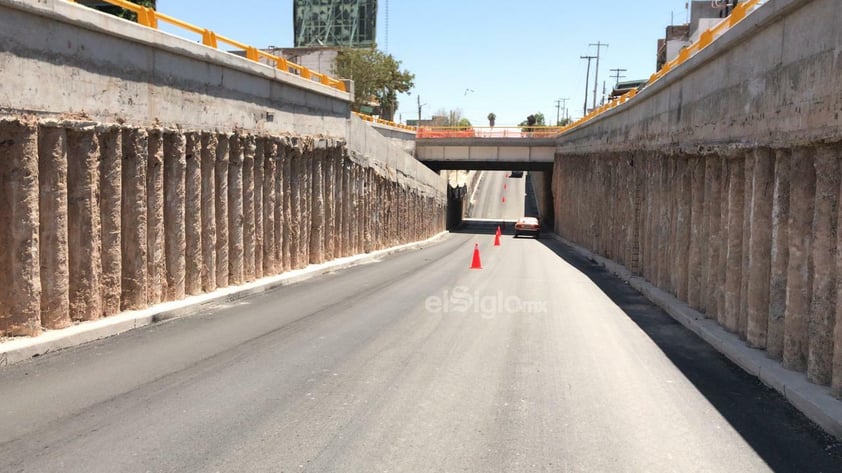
489	132
381	121
150	18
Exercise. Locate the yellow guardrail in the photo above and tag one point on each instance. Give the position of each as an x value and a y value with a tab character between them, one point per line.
381	121
150	18
705	39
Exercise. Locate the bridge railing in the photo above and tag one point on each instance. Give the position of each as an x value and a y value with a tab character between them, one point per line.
150	18
489	132
381	121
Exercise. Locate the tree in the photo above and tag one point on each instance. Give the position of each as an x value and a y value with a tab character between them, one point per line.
377	78
491	118
532	121
452	118
123	13
564	122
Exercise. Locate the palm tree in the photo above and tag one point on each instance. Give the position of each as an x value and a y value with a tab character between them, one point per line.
491	118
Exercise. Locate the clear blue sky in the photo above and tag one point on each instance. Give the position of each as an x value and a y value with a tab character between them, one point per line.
517	56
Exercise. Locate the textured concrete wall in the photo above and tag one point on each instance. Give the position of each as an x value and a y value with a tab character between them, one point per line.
754	244
104	218
720	184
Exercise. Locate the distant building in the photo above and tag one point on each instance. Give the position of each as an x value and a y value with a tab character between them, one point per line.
703	16
334	23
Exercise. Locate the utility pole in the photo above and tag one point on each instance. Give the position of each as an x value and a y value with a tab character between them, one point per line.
419	112
560	104
599	45
617	75
587	79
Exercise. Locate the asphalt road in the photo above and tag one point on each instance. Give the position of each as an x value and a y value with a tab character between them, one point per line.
499	197
540	361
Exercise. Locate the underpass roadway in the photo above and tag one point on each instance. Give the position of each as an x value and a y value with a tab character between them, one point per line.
539	361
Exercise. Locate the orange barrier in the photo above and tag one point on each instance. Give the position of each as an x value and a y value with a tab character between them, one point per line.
149	18
490	132
380	121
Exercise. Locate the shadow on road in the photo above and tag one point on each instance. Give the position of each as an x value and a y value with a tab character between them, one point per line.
780	434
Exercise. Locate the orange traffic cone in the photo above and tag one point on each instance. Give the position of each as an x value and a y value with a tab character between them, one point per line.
497	236
475	263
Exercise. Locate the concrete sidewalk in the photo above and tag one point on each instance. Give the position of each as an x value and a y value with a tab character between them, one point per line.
18	349
812	400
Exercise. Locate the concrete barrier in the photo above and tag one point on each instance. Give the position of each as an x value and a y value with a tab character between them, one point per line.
61	59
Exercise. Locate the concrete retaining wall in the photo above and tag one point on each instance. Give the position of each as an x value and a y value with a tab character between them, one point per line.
104	217
61	59
720	184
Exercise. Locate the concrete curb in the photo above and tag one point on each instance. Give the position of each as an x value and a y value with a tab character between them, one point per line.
812	400
19	349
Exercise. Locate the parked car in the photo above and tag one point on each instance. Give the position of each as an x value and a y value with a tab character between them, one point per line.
516	174
528	225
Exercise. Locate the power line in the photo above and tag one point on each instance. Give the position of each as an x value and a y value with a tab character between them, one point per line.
617	75
587	77
560	104
599	45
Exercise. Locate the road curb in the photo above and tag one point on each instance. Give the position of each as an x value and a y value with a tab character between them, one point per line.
812	400
19	349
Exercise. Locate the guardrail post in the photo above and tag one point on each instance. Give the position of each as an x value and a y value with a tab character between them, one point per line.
147	17
209	38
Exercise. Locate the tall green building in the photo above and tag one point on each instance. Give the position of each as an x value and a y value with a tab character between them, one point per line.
337	23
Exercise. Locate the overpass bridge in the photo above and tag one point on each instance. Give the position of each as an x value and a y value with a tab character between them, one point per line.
139	168
492	148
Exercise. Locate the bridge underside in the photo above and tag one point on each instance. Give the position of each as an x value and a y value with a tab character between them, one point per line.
473	165
491	154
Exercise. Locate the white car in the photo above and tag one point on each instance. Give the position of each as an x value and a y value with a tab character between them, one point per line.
528	225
